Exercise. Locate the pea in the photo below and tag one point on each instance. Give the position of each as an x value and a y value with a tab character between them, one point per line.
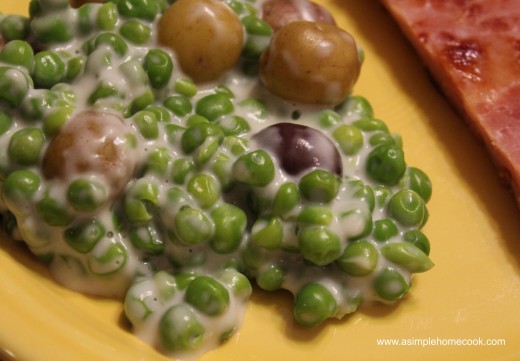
207	295
418	239
328	118
180	329
85	195
106	18
360	258
146	237
52	212
319	245
384	229
254	108
364	193
142	9
107	258
85	23
18	52
184	279
319	186
179	105
315	214
286	199
102	91
313	304
14	86
51	28
146	122
214	106
112	40
140	102
159	66
197	134
385	164
48	70
358	105
255	168
19	187
236	6
237	283
134	73
6	121
25	146
75	67
349	138
408	208
408	256
419	182
161	113
180	169
390	285
234	125
230	226
255	45
267	233
139	304
55	118
193	226
381	138
185	86
271	278
222	170
54	4
205	189
356	222
14	27
237	145
382	194
158	161
371	125
165	284
84	236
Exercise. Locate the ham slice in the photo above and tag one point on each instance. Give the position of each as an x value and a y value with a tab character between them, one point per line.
472	49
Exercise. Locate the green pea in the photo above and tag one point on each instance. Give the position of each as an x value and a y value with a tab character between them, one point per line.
380	137
184	279
254	108
193	226
419	182
52	28
237	283
390	284
84	236
237	145
140	102
55	118
418	239
371	125
165	284
214	106
102	91
349	138
364	193
75	67
18	52
142	9
358	105
254	25
356	222
205	189
408	256
230	226
207	295
179	105
6	121
52	212
254	46
319	245
158	161
271	277
286	199
236	6
384	229
267	233
113	40
14	27
315	214
106	18
360	258
19	187
48	70
319	186
146	237
255	168
234	125
134	73
139	304
54	4
25	146
313	304
183	256
107	258
159	66
328	118
85	24
146	122
408	208
181	167
197	134
185	86
382	194
253	257
180	329
14	86
386	164
85	195
137	211
161	113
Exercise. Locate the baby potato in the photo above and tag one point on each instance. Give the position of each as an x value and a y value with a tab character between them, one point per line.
281	12
310	62
206	36
92	142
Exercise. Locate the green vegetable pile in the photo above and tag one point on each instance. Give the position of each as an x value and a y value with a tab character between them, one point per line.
206	209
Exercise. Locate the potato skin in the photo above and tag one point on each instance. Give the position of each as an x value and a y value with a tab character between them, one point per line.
206	36
281	12
310	62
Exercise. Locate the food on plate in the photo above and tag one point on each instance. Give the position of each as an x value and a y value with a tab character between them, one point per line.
471	48
278	13
132	177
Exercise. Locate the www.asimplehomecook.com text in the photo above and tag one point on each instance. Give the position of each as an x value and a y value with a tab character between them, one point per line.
437	341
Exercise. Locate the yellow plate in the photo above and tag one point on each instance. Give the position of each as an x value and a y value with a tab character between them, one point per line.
472	294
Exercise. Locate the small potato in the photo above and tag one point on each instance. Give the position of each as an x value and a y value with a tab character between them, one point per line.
281	12
206	35
92	142
310	62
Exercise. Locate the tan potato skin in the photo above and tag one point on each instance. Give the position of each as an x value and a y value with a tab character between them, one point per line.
310	62
206	35
281	12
